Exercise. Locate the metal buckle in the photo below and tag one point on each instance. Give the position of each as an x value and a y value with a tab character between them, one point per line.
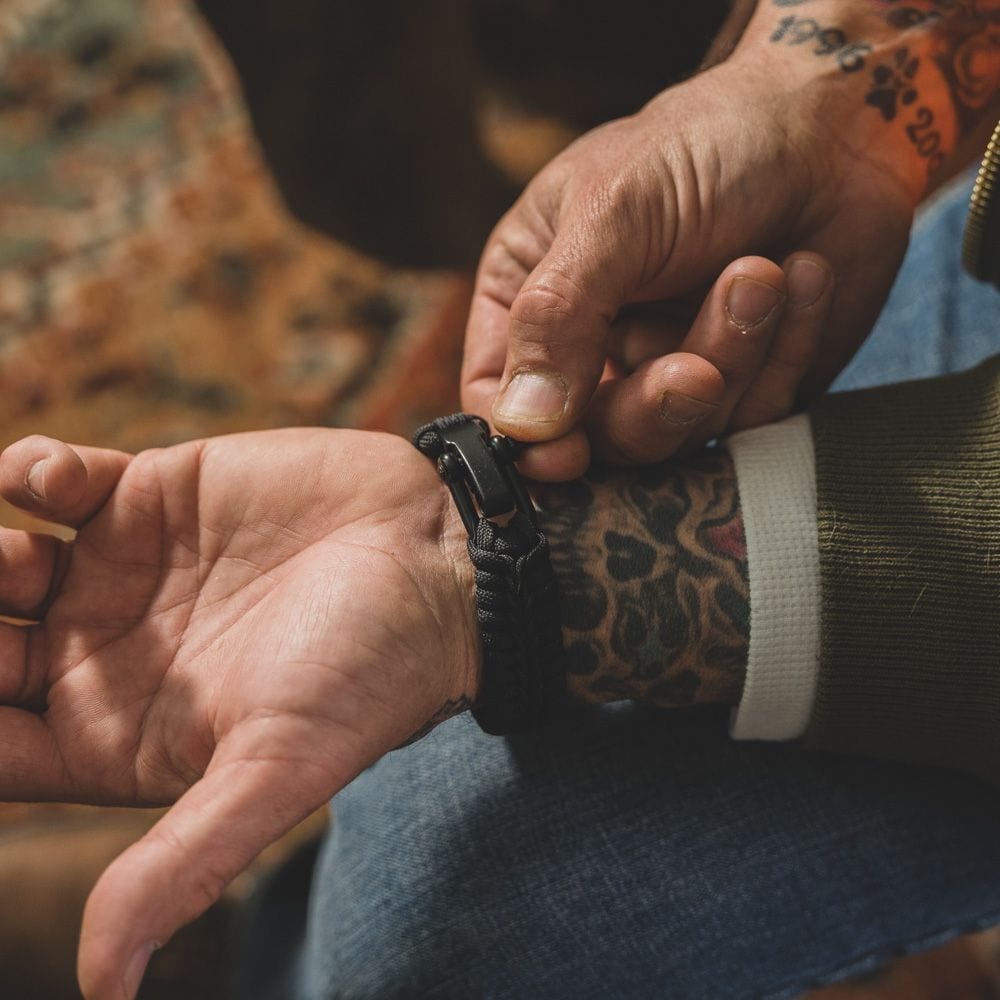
479	471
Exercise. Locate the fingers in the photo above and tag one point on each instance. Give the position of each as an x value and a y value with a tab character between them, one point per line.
59	483
652	329
557	461
558	336
31	767
556	339
22	680
771	395
13	663
182	865
521	296
510	255
734	330
651	414
671	402
27	568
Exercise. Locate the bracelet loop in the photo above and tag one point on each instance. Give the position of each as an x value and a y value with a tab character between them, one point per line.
517	599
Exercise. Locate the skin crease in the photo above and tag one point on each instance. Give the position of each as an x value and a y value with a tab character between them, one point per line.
208	644
245	623
777	150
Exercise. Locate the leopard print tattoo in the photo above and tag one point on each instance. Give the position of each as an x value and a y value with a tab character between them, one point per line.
654	592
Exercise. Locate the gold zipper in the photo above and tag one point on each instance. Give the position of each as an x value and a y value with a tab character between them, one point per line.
981	243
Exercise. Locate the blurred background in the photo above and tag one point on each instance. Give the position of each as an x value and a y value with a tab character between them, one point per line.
162	279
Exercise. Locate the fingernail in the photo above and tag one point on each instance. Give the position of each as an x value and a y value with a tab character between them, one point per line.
683	411
532	396
136	967
750	302
807	281
35	479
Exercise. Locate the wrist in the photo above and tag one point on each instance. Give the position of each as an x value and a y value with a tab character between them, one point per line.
453	540
894	88
522	680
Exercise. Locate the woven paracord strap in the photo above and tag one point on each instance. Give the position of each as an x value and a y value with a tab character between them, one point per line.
427	439
517	607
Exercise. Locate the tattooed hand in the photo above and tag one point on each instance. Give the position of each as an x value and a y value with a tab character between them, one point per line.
241	626
812	143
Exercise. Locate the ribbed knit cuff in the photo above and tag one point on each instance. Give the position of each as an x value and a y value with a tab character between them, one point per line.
776	478
908	480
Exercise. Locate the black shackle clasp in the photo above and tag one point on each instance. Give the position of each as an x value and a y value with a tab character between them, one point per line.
479	471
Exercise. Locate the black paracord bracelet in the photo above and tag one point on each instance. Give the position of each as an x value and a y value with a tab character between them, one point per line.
517	600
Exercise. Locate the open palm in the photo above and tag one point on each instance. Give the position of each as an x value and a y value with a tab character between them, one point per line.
241	626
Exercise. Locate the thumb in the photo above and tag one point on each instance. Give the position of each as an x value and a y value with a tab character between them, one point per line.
558	335
183	864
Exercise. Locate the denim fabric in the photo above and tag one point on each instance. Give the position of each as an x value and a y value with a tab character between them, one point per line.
937	319
636	853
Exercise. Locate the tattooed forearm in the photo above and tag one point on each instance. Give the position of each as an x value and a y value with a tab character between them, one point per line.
965	46
937	86
653	578
822	41
928	69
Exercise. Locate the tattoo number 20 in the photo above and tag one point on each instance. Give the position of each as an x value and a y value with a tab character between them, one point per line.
830	41
926	139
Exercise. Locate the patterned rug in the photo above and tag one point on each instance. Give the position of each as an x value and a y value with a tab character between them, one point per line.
154	289
152	286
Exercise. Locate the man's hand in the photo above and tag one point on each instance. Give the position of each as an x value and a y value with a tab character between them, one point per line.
813	136
608	253
241	626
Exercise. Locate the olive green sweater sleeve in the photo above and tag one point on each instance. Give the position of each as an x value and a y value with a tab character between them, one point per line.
908	493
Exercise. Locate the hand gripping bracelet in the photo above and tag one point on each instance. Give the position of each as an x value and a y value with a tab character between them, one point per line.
517	600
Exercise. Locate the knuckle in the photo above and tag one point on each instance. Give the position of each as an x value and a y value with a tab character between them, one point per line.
513	252
616	198
205	881
546	306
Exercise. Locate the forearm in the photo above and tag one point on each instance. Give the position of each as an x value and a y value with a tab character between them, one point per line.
900	83
652	572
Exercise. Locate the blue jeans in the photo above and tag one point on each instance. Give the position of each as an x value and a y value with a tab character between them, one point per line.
638	853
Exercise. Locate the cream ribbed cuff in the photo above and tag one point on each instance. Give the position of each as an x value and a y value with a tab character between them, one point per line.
776	478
